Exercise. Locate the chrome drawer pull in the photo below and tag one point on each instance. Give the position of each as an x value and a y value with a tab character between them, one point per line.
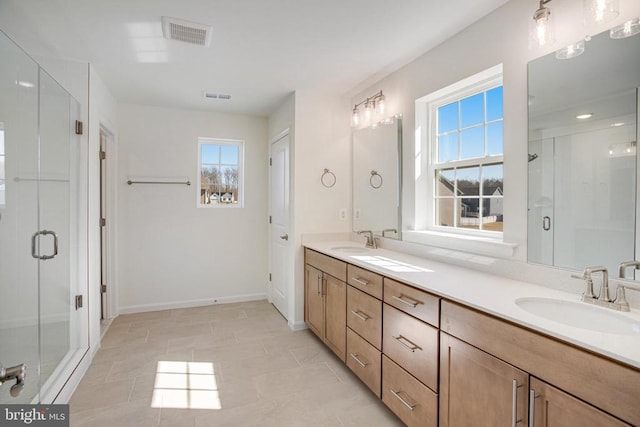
514	404
403	299
411	346
360	362
404	402
360	281
532	407
360	315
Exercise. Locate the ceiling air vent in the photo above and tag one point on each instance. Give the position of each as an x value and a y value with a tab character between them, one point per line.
185	31
212	95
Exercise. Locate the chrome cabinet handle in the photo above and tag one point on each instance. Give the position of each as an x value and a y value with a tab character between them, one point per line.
357	359
360	281
514	404
532	407
403	299
33	244
411	346
404	402
285	237
318	285
360	315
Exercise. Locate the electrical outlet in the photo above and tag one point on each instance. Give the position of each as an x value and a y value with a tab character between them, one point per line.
356	214
343	214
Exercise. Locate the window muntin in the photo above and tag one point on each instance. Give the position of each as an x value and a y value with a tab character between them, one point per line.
220	170
467	148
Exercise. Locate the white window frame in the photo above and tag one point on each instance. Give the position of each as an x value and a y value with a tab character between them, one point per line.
425	230
3	178
222	141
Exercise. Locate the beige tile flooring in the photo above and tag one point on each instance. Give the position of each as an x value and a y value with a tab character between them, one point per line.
257	370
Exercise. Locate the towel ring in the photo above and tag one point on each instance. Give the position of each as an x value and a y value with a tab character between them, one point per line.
375	180
328	178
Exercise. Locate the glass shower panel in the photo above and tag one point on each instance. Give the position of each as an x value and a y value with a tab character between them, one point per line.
19	318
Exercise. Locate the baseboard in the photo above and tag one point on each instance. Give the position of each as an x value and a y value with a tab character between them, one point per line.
74	380
191	303
298	326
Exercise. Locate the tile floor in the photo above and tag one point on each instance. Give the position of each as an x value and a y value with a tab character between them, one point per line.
220	365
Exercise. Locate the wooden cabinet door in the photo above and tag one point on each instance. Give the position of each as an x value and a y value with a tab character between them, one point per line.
555	408
477	389
335	294
314	301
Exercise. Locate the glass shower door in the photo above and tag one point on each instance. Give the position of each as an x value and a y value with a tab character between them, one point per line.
41	217
19	317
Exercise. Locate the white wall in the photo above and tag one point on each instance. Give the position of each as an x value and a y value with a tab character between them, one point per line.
322	140
501	37
169	252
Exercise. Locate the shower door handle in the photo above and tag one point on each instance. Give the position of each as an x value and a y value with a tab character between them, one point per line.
546	223
33	244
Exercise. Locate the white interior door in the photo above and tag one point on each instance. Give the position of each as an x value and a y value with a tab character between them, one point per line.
279	229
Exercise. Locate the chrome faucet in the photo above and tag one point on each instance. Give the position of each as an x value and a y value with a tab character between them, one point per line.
391	230
371	241
17	373
624	265
621	302
589	296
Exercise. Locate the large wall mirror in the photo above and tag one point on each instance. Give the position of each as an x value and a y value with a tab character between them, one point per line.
377	178
583	115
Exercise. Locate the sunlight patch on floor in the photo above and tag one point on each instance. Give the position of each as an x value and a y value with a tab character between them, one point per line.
185	385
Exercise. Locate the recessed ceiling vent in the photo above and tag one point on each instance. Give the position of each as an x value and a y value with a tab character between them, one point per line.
212	95
185	31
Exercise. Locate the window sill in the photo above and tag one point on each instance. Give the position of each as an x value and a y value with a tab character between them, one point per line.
461	242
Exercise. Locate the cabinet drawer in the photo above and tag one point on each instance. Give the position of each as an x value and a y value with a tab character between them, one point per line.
364	316
605	384
332	266
364	280
412	344
409	399
417	303
364	360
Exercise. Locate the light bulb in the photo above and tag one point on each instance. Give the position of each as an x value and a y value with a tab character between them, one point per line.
368	112
628	29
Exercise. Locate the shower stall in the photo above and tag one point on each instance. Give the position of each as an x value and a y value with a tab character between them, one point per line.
43	247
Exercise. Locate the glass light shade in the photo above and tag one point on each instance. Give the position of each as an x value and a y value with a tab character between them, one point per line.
368	112
628	29
542	29
380	105
599	11
571	51
355	118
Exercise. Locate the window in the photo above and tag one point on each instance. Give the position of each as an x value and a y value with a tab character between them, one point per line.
465	163
220	167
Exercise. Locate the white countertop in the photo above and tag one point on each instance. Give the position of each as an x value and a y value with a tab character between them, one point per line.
491	294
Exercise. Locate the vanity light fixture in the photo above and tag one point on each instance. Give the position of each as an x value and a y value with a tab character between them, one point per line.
584	116
628	29
571	51
599	11
372	105
542	27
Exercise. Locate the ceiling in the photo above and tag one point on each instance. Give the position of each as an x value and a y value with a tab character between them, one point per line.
261	50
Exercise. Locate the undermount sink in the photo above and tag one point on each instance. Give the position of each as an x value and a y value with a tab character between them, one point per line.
580	315
350	249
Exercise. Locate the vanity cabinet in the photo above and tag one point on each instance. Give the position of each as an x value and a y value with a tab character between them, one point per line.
571	384
553	407
326	300
479	389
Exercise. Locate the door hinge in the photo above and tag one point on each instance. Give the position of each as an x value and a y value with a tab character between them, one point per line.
103	222
78	127
103	155
270	161
103	289
270	219
269	276
78	302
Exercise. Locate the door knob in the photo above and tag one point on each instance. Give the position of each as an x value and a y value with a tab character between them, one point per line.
17	373
285	237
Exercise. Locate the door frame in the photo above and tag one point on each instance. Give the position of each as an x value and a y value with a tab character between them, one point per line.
289	261
111	309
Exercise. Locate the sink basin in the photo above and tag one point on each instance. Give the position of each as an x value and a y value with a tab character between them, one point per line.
351	249
581	315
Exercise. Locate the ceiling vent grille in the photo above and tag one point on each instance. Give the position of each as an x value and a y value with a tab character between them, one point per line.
185	31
